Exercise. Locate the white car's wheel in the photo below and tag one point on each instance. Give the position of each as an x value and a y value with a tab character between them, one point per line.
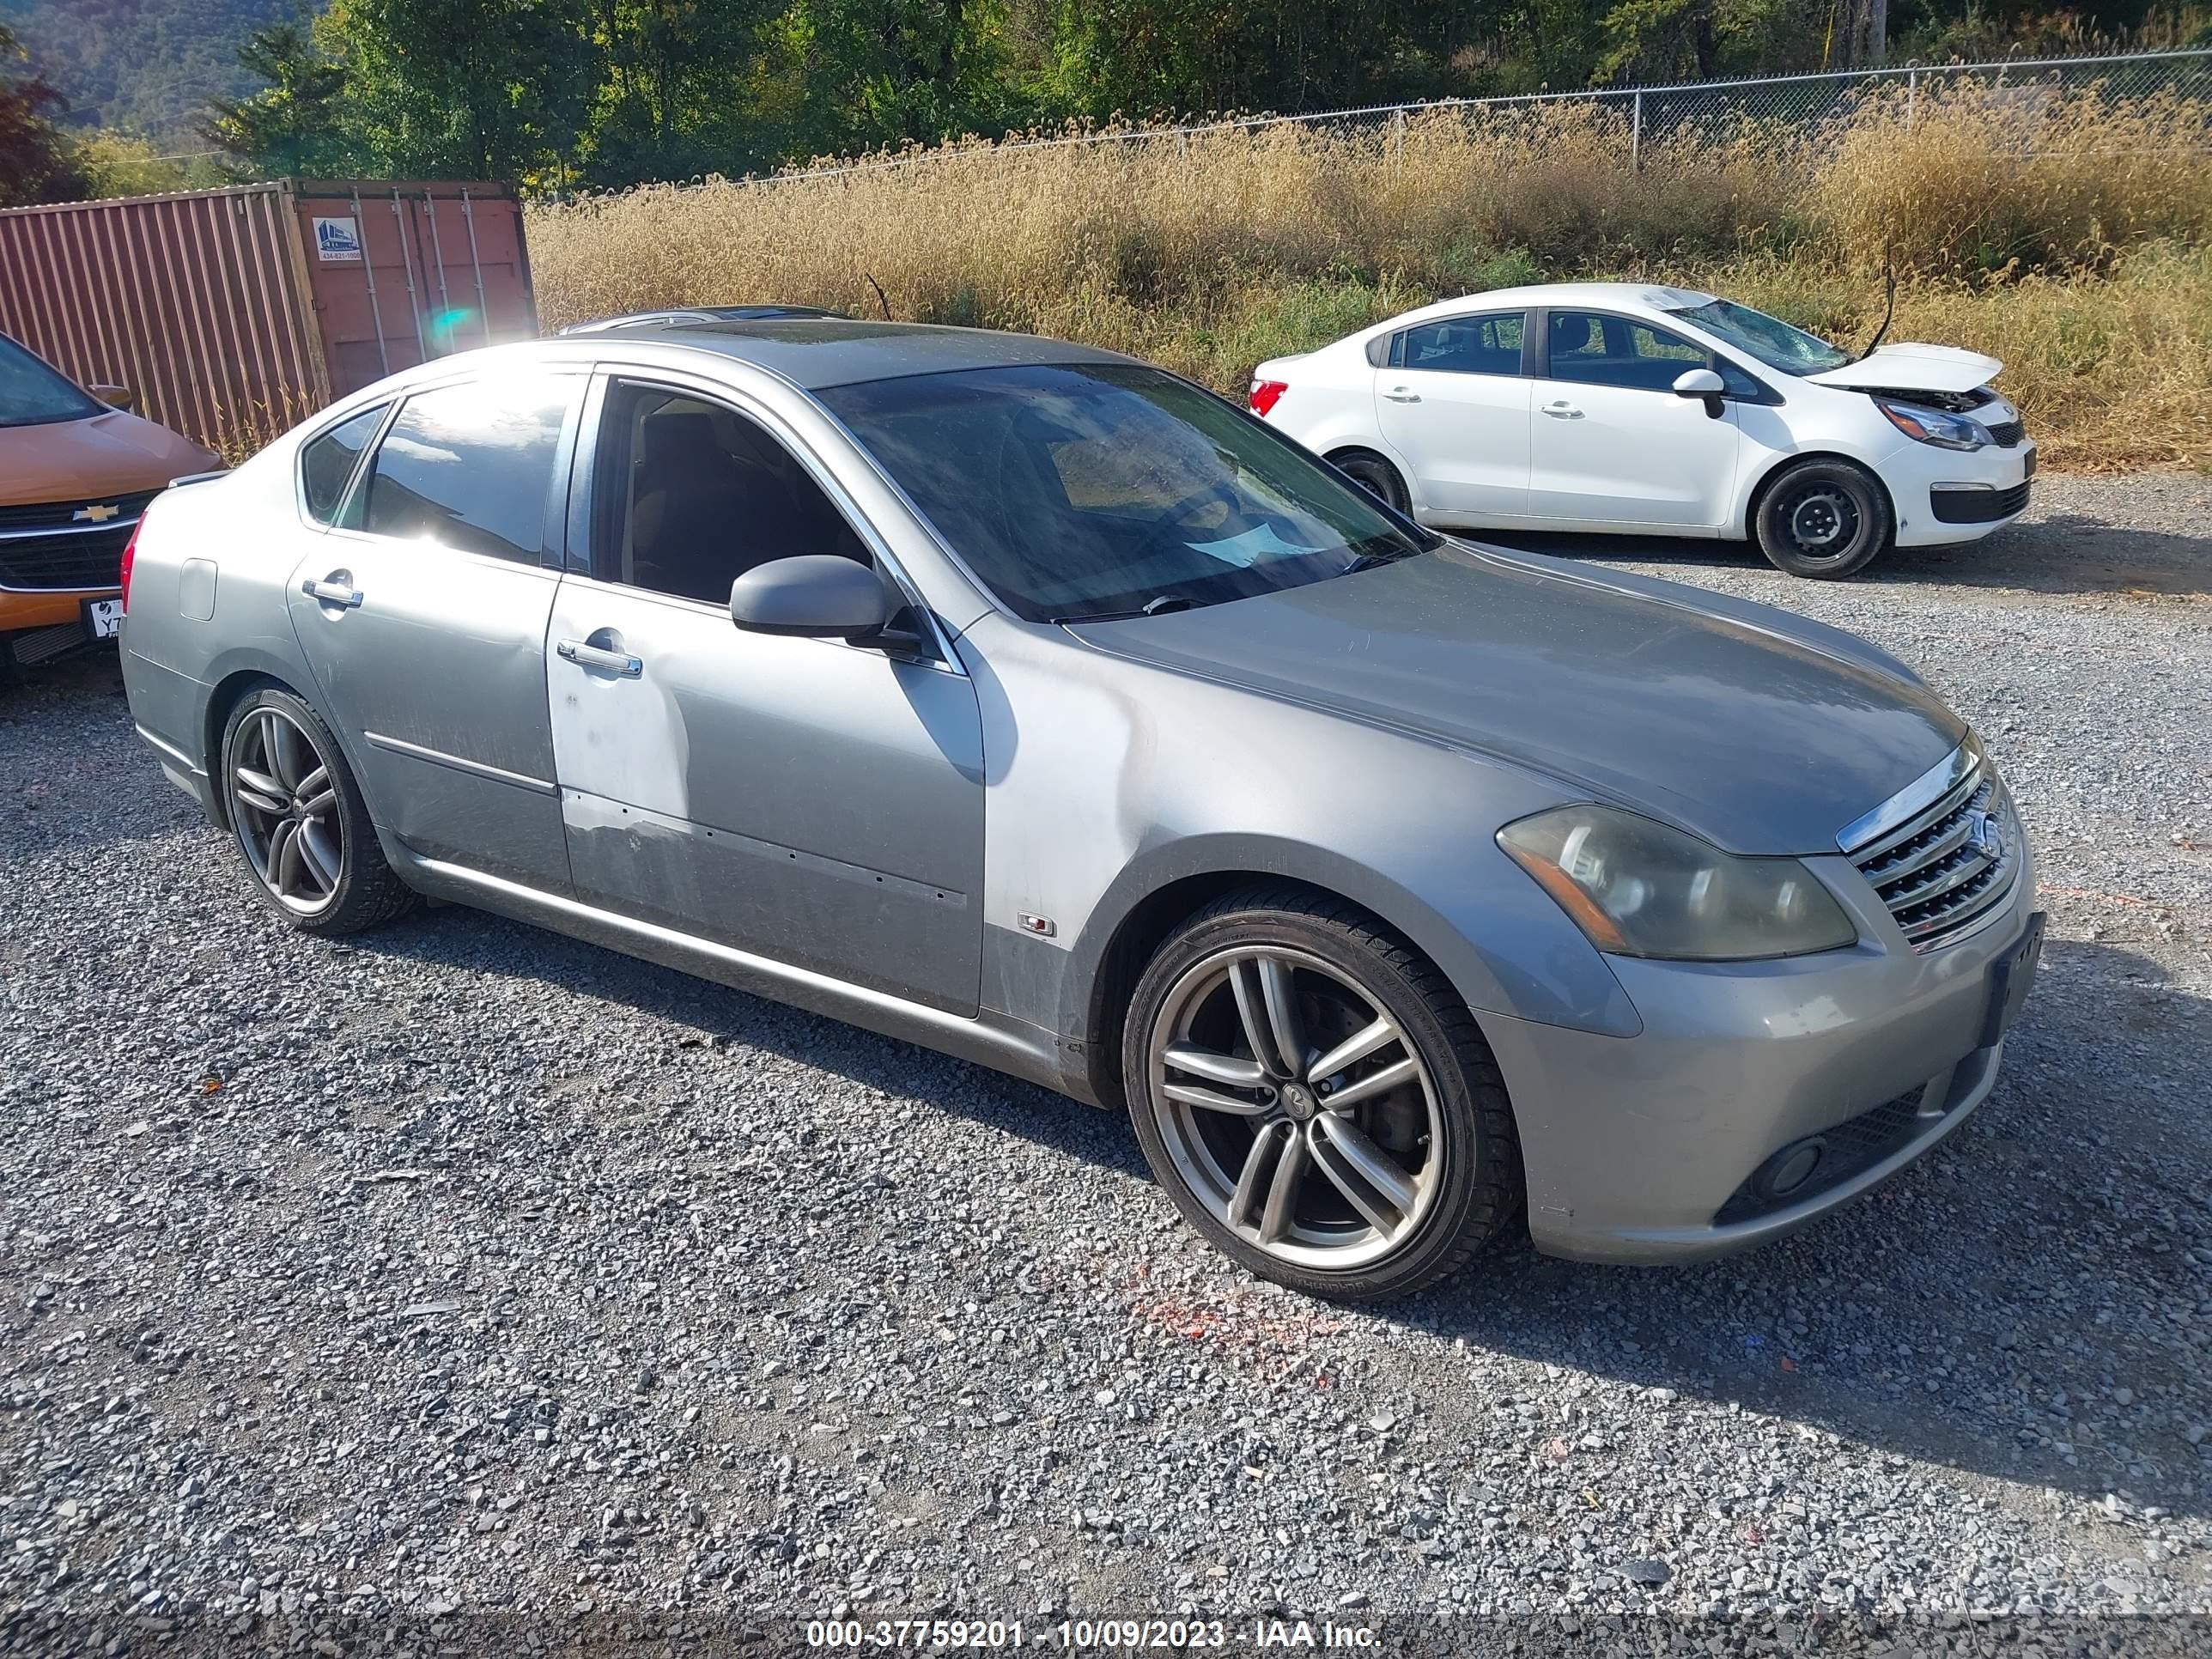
1823	519
1376	476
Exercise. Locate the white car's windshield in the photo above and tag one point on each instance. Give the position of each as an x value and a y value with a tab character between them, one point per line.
31	394
1079	491
1770	339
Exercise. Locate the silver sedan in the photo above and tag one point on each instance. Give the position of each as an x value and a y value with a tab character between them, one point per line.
1031	703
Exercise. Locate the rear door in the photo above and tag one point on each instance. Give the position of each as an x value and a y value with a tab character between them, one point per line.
811	801
1451	399
422	612
1612	443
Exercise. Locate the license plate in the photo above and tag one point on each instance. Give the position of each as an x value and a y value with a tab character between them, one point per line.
2010	977
2027	469
103	618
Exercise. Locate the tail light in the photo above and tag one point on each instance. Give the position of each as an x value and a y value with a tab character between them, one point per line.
1264	394
130	554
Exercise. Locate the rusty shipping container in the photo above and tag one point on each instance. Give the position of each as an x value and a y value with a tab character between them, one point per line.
234	313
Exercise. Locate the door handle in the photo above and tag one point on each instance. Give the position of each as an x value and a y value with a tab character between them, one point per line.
1399	395
330	591
1563	411
593	656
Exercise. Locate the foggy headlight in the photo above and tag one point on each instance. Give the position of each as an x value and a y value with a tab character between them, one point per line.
1934	426
1640	888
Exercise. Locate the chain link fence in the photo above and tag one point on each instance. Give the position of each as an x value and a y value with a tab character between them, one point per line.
1646	117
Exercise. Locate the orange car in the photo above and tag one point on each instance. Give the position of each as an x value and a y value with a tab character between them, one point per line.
75	475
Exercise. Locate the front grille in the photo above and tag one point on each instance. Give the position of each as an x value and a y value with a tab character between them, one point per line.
1948	863
62	515
2007	434
1977	505
93	559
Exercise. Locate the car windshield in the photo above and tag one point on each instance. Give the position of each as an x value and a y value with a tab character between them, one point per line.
1081	491
1770	339
32	394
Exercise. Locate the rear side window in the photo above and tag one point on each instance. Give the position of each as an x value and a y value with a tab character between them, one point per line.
326	463
1464	345
469	467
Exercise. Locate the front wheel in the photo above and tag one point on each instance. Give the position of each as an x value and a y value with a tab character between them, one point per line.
1823	519
1316	1098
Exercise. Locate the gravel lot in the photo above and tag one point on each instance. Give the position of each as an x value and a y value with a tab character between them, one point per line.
462	1270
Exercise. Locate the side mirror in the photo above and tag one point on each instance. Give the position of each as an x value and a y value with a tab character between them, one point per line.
1702	383
814	594
115	397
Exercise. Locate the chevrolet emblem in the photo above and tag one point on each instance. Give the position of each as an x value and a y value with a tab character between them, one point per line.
94	514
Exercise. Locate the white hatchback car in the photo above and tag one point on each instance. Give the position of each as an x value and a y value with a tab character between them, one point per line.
1620	406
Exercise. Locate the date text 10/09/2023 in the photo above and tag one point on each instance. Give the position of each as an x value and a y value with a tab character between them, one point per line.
1085	1635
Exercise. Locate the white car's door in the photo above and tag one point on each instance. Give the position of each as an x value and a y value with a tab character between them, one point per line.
1452	401
1612	443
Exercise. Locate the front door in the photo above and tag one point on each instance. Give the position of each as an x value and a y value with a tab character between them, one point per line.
814	802
1452	403
422	613
1612	444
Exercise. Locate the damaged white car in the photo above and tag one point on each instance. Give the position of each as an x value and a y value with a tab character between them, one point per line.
1628	407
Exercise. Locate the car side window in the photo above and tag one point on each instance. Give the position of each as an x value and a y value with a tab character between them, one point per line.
1596	349
689	495
1463	345
327	462
469	467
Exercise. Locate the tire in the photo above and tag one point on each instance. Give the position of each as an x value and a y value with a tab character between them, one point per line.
1823	519
299	821
1376	476
1426	1099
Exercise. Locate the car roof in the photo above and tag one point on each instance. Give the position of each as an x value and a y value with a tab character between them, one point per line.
1645	296
815	352
695	314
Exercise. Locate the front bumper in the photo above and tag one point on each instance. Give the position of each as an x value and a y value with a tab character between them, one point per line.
1640	1149
1944	496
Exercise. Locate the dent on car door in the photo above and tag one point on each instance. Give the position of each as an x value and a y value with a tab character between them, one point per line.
811	801
1452	400
422	610
1612	443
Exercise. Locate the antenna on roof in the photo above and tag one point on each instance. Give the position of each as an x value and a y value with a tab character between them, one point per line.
880	300
1889	298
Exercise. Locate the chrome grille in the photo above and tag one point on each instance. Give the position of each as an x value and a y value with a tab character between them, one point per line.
1946	863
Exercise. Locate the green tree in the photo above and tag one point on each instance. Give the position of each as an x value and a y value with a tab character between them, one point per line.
294	124
35	162
465	88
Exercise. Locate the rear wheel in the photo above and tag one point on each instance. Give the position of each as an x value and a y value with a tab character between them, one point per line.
1316	1099
299	820
1376	476
1823	519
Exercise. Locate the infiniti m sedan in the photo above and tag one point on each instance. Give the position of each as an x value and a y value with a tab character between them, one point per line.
1028	702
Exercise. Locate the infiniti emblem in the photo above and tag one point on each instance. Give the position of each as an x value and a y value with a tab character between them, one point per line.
1984	837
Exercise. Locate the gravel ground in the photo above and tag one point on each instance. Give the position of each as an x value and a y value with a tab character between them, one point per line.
463	1271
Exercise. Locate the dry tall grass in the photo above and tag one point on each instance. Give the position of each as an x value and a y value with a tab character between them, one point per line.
2065	232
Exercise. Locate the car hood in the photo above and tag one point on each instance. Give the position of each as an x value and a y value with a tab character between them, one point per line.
1760	731
1914	368
111	454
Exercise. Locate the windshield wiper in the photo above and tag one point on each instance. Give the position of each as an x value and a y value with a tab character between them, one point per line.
1368	561
1159	606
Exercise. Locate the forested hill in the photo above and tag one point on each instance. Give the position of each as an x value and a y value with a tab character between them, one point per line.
148	65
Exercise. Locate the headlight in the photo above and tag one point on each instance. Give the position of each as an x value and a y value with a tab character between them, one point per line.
1933	426
1640	888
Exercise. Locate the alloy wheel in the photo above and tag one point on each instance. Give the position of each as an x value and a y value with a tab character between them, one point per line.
285	805
1295	1108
